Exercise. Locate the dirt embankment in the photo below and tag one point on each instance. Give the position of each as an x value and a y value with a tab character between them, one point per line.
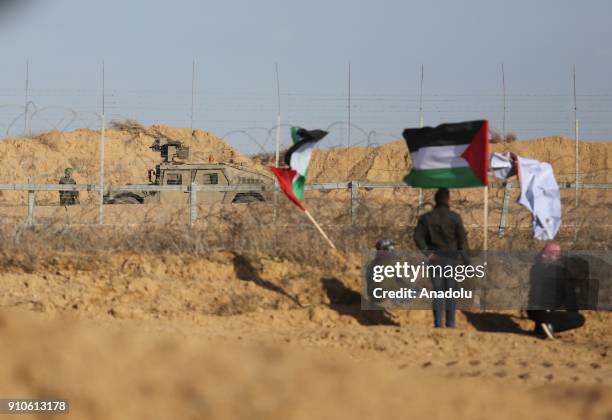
127	154
43	159
391	162
244	336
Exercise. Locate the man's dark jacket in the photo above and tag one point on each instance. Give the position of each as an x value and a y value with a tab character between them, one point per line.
441	232
552	287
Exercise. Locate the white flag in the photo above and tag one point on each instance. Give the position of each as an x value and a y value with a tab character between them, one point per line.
539	191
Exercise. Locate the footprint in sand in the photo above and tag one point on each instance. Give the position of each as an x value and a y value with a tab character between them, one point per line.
523	363
549	377
595	365
474	362
570	365
524	376
451	363
473	374
547	364
500	363
500	374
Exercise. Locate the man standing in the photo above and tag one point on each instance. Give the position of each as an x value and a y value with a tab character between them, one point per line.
68	198
441	236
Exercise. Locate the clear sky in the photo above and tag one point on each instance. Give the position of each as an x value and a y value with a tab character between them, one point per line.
148	48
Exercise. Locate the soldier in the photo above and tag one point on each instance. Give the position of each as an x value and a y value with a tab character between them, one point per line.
68	198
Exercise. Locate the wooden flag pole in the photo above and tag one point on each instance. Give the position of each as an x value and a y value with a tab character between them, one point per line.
314	222
485	246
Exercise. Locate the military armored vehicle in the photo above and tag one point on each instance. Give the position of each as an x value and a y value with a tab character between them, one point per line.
175	169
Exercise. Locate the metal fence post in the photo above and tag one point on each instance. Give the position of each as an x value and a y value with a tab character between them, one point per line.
275	205
193	204
420	202
503	222
31	204
193	189
354	201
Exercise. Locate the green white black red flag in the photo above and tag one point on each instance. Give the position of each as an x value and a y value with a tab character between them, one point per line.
297	158
449	156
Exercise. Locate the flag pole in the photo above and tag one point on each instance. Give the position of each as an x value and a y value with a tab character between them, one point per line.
314	222
485	246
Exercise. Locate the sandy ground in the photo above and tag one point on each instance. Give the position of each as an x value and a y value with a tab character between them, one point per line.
236	336
136	336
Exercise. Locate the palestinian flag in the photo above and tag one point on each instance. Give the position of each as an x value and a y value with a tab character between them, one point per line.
449	155
292	180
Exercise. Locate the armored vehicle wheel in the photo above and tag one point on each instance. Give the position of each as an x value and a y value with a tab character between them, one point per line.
126	199
247	198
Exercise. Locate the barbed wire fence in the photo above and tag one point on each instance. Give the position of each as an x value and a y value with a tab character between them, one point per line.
247	120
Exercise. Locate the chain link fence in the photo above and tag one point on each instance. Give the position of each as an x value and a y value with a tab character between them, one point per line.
355	214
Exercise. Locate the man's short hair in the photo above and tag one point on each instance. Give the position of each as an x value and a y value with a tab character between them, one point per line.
442	197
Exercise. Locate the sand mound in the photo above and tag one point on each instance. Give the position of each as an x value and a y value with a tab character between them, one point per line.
128	157
391	162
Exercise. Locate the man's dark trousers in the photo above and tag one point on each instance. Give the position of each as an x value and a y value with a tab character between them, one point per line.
444	305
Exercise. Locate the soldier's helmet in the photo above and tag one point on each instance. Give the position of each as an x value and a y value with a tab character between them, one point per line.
385	245
68	172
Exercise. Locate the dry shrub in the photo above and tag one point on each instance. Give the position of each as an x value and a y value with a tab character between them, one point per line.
131	126
495	137
256	230
264	158
299	243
